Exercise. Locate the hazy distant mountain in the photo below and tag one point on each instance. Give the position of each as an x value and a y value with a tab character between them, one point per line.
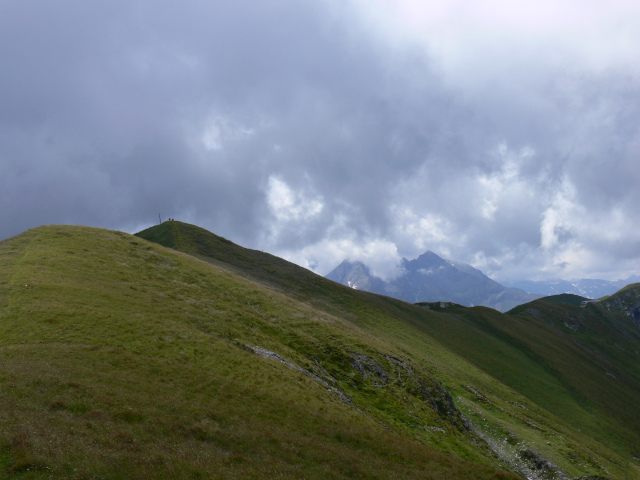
431	278
590	288
357	275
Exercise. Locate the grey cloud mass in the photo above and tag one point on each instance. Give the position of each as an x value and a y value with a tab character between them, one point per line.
324	130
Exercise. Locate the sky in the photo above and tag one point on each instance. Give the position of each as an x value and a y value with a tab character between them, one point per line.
503	134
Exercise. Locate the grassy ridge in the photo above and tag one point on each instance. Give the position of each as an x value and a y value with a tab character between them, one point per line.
568	298
121	359
522	355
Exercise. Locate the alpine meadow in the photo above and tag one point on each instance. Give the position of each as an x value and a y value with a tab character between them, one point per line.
176	353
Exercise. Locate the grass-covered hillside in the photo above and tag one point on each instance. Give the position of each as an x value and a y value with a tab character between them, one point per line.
122	358
533	355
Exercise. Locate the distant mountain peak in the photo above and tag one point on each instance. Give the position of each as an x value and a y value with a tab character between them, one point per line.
426	262
356	275
431	278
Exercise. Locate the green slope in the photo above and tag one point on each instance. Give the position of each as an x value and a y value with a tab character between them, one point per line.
120	358
568	298
510	357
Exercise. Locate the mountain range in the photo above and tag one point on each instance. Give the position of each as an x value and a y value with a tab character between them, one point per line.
430	278
591	288
176	353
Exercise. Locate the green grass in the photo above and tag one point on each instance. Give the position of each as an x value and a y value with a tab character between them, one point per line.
568	298
540	359
120	358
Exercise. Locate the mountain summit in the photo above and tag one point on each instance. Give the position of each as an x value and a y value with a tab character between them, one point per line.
431	278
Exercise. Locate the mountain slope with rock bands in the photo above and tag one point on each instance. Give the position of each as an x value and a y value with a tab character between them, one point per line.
121	358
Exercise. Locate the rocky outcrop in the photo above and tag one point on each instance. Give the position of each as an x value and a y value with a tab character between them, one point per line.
392	373
387	374
626	301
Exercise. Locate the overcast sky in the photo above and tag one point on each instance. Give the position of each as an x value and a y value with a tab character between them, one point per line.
504	134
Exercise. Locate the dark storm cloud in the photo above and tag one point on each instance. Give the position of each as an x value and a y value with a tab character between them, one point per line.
120	93
298	128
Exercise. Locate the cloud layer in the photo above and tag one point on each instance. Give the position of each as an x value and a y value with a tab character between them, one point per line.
506	138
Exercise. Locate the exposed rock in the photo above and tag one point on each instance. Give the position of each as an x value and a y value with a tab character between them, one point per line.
399	362
432	392
385	373
627	302
436	429
538	467
479	395
273	355
367	366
